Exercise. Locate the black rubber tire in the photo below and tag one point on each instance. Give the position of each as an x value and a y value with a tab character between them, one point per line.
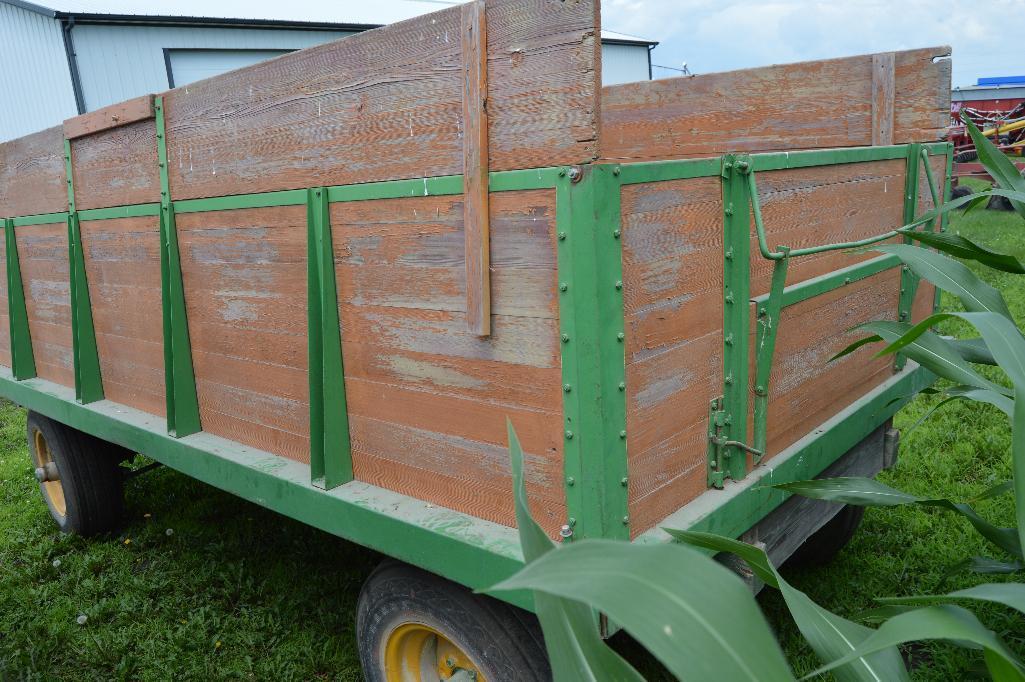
960	191
91	479
824	544
503	641
966	156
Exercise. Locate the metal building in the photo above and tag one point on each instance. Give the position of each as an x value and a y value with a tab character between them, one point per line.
72	56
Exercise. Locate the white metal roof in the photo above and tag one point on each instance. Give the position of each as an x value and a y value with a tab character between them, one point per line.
348	12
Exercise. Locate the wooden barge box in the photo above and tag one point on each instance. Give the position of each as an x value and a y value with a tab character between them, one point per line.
325	282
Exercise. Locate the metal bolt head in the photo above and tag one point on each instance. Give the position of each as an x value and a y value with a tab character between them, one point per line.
565	338
619	284
571	481
569	435
620	336
742	166
562	236
622	434
623	481
563	286
566	531
567	388
617	233
622	385
575	174
626	520
616	171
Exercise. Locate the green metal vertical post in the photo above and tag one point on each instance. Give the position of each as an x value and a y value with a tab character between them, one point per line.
23	363
908	280
330	447
944	219
86	359
593	339
179	377
736	201
769	314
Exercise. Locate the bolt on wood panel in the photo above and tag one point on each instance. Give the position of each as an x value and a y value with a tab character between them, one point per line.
387	104
5	320
117	166
826	103
244	273
122	264
43	256
32	177
427	397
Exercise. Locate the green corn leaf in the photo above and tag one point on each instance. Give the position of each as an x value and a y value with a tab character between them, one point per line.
973	350
575	648
929	350
995	491
828	634
1000	168
984	566
950	623
966	249
868	492
855	346
881	614
1008	594
951	276
689	611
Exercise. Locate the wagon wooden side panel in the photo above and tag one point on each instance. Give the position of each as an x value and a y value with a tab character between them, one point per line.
32	177
122	262
43	254
428	399
820	104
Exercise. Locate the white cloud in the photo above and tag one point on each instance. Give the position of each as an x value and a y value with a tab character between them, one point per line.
730	34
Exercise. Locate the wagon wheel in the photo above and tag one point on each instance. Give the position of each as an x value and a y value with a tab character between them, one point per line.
78	475
413	626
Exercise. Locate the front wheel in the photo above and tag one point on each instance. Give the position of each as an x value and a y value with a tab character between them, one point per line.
78	475
413	626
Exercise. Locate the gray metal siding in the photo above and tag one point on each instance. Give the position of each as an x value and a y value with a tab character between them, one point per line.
623	63
120	62
35	83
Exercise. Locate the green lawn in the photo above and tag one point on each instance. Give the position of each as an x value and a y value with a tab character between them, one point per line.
205	585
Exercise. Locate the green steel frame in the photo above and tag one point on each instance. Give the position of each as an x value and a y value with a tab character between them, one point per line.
591	303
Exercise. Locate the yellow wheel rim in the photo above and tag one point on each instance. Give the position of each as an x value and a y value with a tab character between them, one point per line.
53	490
415	652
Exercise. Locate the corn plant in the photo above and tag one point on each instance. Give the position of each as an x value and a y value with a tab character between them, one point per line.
702	622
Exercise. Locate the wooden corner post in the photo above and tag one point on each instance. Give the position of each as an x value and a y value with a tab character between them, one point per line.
476	226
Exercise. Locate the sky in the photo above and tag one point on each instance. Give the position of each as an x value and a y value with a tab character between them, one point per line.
987	37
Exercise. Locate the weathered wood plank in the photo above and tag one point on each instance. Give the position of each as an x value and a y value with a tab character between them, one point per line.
116	167
43	256
453	473
805	387
122	263
473	34
795	106
245	292
113	116
387	104
32	177
882	98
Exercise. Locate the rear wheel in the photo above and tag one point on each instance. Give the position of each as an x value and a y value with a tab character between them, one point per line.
413	626
78	475
824	544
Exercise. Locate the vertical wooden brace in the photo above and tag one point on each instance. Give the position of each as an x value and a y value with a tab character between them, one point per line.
476	226
330	450
882	98
85	357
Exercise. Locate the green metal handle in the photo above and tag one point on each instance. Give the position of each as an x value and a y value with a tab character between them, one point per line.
779	254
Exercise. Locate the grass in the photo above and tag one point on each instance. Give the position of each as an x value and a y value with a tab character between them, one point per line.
206	586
